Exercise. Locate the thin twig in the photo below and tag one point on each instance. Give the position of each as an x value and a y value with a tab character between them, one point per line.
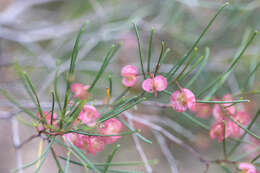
167	153
140	149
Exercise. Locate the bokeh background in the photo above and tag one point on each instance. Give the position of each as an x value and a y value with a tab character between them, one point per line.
39	34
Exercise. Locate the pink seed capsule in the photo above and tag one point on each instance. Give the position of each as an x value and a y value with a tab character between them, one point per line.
129	74
202	110
47	117
247	167
217	131
217	111
111	127
95	144
89	115
183	99
80	91
154	84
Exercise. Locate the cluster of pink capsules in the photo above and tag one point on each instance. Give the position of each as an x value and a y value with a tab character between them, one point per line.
180	100
104	134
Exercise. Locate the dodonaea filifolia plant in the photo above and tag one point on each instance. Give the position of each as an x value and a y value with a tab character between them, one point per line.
76	123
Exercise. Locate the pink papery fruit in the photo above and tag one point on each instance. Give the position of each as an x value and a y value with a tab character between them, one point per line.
202	110
154	84
247	167
242	118
183	99
80	91
111	127
217	131
95	144
78	140
89	115
47	117
217	111
129	74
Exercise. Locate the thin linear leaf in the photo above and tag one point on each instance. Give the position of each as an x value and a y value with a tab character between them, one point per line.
222	102
71	71
21	77
106	61
181	61
56	160
56	88
221	79
83	157
52	107
13	101
250	76
243	136
38	105
110	85
192	67
159	60
204	63
93	134
247	131
66	170
75	114
150	51
118	99
44	154
110	157
224	141
132	129
139	49
188	63
151	162
119	106
194	120
122	110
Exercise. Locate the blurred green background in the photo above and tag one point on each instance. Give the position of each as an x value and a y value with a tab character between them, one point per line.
39	34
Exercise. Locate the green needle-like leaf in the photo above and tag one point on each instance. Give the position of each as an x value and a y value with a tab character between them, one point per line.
197	74
13	101
38	105
106	61
150	51
83	157
43	155
221	79
139	49
71	72
182	60
66	170
195	121
159	60
110	157
243	136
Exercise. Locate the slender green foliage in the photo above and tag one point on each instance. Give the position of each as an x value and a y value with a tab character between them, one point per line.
110	157
66	170
13	101
71	72
83	157
243	136
150	51
106	61
159	60
221	79
182	60
197	74
38	105
139	49
43	155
